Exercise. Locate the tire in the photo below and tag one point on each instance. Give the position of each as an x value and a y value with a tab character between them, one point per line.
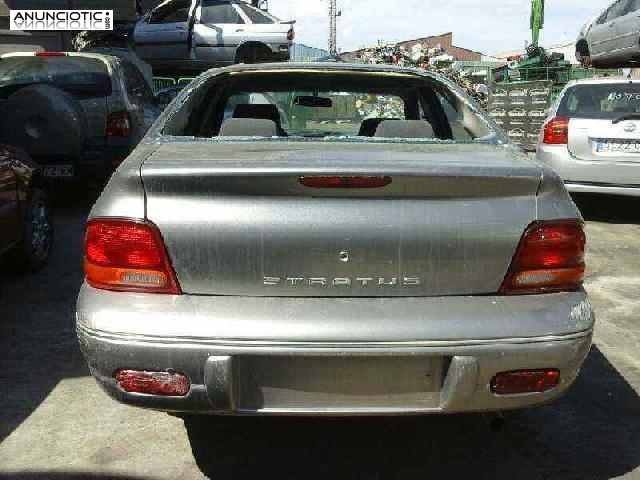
254	54
45	121
33	250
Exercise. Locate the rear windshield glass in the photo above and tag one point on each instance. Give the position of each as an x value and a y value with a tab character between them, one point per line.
340	106
608	101
77	75
255	15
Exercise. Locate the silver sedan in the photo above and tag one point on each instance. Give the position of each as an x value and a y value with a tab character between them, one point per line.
592	136
373	252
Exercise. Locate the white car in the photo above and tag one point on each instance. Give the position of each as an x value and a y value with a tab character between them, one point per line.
199	34
611	38
592	136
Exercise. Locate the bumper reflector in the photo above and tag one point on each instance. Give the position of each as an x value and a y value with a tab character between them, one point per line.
525	381
169	384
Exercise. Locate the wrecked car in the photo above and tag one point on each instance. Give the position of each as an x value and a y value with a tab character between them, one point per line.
77	114
26	226
193	35
401	258
611	39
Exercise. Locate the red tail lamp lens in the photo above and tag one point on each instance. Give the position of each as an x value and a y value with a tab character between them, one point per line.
126	255
51	54
119	125
556	131
525	381
550	258
345	182
153	383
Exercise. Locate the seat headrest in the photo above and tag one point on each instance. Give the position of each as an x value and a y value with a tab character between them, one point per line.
405	129
264	111
368	127
248	127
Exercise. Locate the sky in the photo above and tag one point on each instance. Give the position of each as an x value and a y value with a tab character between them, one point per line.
487	26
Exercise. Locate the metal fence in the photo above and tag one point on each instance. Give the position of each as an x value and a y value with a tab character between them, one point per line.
304	53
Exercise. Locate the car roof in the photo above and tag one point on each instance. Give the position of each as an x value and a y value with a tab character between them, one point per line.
97	56
603	80
323	67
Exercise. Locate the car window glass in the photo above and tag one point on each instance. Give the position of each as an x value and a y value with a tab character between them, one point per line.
255	15
173	12
633	6
219	12
84	76
616	10
137	87
608	101
455	119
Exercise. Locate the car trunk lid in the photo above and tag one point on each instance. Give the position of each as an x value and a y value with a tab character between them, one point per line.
237	220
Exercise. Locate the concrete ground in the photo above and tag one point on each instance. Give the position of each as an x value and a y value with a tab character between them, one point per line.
56	423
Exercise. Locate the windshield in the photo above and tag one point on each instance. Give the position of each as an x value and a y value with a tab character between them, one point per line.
81	75
606	101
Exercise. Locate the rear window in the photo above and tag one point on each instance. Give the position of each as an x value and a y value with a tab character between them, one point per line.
76	75
255	15
605	101
343	106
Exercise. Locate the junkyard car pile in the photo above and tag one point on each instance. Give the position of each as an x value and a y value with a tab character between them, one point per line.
266	250
432	59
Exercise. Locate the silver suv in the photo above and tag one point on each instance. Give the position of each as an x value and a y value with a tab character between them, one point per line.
198	34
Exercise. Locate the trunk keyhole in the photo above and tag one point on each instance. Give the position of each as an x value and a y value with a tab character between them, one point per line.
344	256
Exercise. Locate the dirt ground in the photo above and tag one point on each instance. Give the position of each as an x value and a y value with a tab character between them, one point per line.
55	422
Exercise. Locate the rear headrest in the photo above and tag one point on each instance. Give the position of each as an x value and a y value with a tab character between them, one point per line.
405	129
264	111
368	127
248	127
260	110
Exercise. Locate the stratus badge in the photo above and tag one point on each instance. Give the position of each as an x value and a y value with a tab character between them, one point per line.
342	281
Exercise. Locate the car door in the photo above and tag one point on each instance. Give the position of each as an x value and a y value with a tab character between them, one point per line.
165	32
220	27
627	29
602	37
9	211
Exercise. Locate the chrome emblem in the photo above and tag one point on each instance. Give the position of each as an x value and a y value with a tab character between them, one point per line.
630	127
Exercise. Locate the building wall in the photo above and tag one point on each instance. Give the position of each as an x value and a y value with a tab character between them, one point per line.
304	53
446	40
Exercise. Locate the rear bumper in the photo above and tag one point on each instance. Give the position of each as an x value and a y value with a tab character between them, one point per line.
280	370
581	176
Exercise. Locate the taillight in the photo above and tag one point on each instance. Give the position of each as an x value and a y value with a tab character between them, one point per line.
127	255
345	182
549	258
119	124
525	381
556	131
51	54
291	34
169	384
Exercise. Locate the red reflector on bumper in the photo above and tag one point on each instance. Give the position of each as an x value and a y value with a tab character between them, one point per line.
153	383
525	381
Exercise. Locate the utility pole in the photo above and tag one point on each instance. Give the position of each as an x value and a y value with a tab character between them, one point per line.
333	14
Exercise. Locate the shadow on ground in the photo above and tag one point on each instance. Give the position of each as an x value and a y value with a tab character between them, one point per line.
592	432
38	345
608	208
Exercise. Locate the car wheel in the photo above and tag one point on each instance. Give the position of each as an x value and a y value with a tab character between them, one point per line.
37	237
254	54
